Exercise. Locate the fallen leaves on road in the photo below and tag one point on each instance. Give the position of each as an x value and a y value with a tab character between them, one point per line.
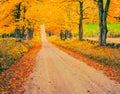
12	80
109	71
101	58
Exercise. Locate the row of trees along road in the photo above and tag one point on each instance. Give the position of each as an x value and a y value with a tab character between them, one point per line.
55	12
103	13
16	15
19	15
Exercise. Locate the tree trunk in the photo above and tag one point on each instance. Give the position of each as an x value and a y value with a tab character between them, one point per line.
81	21
100	7
102	21
30	34
17	33
105	30
23	32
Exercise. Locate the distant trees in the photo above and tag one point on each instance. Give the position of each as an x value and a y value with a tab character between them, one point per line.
66	34
103	7
81	14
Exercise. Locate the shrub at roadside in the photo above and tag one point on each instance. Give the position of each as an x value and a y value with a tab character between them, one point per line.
12	50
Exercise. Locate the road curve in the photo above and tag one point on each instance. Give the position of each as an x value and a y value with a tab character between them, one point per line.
56	72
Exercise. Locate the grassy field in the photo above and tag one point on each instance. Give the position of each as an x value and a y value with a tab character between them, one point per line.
105	55
92	30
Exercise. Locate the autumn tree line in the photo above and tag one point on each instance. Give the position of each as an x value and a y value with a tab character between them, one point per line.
21	31
25	14
103	8
103	13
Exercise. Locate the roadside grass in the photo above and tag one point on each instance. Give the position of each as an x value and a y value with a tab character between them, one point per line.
105	55
12	80
11	50
92	30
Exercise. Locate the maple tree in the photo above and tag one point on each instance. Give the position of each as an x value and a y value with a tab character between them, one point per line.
15	18
103	12
57	15
81	12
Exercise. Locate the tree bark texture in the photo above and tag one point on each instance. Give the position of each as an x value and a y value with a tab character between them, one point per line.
103	21
81	21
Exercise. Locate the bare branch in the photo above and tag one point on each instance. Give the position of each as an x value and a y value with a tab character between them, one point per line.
85	8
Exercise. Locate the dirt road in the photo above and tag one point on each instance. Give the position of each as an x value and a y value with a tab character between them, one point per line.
56	72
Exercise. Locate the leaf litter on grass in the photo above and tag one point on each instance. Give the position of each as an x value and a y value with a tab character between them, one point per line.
12	80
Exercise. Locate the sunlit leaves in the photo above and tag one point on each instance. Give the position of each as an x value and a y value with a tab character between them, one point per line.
54	13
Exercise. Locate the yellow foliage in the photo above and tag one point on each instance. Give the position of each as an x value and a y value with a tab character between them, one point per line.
54	13
17	51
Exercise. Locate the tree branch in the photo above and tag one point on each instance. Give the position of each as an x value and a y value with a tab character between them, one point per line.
107	8
85	8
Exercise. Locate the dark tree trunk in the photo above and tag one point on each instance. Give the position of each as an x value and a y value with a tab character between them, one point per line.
61	35
23	32
81	21
102	21
105	30
17	33
30	33
100	6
